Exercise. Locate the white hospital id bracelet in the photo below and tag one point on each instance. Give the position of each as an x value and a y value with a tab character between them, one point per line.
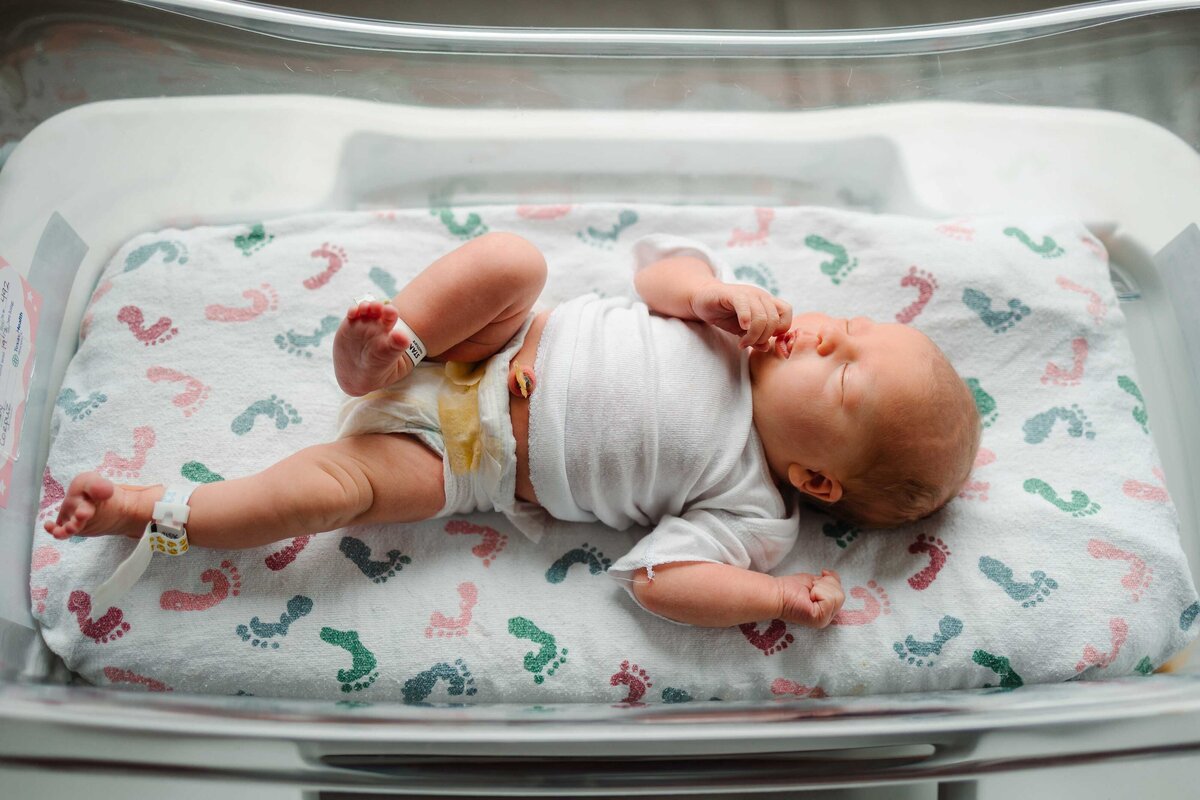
416	348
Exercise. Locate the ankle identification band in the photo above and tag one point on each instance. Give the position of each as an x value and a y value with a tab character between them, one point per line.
416	348
165	533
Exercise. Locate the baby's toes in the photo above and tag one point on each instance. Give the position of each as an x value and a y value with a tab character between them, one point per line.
388	315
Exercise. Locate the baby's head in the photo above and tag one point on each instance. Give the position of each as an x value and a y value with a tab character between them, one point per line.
868	420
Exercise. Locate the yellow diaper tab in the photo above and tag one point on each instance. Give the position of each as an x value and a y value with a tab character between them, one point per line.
458	414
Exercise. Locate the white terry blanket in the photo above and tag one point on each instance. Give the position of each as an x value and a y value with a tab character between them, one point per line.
206	354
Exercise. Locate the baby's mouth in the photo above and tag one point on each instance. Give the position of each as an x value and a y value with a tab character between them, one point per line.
783	344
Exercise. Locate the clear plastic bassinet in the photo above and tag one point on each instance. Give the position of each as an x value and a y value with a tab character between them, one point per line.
133	116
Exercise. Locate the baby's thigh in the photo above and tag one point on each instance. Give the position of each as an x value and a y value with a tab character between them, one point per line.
405	476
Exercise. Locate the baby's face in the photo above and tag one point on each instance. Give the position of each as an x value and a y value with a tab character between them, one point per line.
814	390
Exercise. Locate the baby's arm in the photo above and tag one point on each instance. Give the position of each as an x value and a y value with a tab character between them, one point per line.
720	595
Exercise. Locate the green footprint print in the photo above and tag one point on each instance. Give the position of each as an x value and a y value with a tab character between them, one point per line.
998	321
257	239
606	239
172	253
378	571
1145	666
917	652
78	409
1009	679
1027	594
984	402
840	265
842	532
257	632
548	654
472	227
1047	249
759	275
196	472
302	344
1139	412
1189	616
1080	505
283	413
457	677
1038	427
670	695
595	560
363	664
384	280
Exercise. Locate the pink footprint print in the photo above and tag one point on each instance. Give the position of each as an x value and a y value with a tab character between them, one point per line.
1097	249
1148	491
194	392
774	639
1093	657
1064	377
978	490
387	216
1139	577
937	551
334	256
281	558
957	230
634	678
455	626
37	597
117	675
491	546
116	466
782	686
543	212
108	628
157	333
741	238
52	495
260	302
1096	305
222	587
872	607
85	325
44	556
925	285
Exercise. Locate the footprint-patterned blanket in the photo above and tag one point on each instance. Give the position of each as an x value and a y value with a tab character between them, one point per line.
205	354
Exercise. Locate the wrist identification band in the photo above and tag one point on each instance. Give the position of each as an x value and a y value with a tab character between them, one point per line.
416	348
165	533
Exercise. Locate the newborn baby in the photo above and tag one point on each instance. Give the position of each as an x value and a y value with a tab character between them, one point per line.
686	413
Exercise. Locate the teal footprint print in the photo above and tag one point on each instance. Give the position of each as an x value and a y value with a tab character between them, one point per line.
548	653
282	412
303	344
595	560
759	275
606	239
1145	666
840	265
918	653
1009	679
1027	594
1047	249
984	402
253	241
470	228
1139	411
78	409
842	532
378	571
384	280
998	321
1038	427
257	632
457	677
196	472
1189	616
671	695
172	253
362	672
1080	505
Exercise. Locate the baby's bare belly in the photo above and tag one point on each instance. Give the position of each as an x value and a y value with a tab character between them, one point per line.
518	409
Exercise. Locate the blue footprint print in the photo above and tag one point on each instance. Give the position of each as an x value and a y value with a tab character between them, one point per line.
1189	616
1080	505
78	409
257	632
595	560
172	253
303	344
917	652
606	239
759	275
998	321
282	412
1027	594
840	265
384	280
378	571
842	532
1038	427
457	677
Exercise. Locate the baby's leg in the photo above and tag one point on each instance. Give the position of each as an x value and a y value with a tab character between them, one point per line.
465	307
373	478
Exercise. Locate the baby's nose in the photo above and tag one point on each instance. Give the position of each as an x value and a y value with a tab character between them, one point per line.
828	337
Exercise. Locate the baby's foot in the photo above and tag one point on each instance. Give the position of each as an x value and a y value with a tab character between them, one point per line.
95	506
367	353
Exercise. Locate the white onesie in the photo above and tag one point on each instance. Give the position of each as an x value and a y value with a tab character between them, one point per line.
647	420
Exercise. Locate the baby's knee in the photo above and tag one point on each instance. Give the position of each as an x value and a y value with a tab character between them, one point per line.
517	260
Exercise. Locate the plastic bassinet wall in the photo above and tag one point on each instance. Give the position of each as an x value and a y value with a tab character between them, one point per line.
281	112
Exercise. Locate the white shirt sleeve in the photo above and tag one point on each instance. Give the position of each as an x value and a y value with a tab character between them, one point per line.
658	246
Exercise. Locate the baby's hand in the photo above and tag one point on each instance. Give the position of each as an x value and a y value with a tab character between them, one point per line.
809	600
745	311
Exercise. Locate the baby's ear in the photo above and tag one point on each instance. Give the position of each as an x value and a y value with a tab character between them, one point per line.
815	483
